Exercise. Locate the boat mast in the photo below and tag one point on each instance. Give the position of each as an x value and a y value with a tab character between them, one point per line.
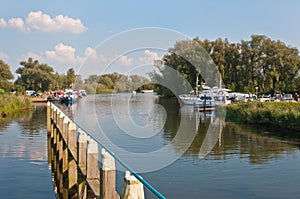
220	81
197	84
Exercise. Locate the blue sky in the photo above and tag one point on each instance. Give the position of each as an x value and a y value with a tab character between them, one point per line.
63	33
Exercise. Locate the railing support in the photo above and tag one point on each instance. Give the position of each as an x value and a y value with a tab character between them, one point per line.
108	176
92	169
132	188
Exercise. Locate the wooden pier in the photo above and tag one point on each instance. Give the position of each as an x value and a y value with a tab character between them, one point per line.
74	159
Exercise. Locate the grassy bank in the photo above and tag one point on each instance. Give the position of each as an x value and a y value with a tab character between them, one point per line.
11	104
284	115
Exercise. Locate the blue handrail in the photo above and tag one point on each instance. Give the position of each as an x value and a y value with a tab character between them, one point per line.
140	178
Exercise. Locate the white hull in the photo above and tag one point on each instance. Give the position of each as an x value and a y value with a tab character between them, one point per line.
205	99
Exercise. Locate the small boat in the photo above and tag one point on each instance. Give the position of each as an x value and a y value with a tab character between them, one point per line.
147	91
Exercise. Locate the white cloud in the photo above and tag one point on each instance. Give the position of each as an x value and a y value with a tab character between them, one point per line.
94	57
149	57
3	23
4	56
43	22
64	54
124	60
18	24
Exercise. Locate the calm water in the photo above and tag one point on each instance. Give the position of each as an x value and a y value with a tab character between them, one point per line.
24	171
243	162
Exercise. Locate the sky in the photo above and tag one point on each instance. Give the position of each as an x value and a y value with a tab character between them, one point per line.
91	35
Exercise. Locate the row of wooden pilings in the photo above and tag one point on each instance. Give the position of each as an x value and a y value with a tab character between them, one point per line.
73	156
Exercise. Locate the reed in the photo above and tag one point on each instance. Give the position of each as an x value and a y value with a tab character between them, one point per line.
277	114
11	104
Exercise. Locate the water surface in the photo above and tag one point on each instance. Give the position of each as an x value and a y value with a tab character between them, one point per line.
24	171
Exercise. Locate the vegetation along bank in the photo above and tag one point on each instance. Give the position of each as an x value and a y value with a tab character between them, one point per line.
11	104
284	115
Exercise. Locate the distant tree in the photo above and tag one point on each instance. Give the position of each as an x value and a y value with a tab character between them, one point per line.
122	85
70	78
106	81
5	76
92	79
297	84
259	62
33	75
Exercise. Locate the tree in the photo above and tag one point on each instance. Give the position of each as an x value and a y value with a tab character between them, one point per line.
259	62
33	75
70	78
5	76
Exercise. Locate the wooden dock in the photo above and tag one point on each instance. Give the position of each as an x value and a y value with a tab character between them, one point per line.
39	99
74	158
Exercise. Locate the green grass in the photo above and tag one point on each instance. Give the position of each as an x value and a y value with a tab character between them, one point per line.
276	114
11	104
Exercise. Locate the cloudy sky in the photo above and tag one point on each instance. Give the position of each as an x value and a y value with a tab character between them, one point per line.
67	34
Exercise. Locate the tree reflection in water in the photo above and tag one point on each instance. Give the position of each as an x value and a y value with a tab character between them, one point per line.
233	140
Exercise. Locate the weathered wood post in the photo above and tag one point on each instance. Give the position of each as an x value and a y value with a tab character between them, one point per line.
49	132
65	159
81	152
48	118
72	168
54	139
92	169
60	144
59	150
132	188
108	176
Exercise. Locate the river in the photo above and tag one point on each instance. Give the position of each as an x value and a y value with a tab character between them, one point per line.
182	153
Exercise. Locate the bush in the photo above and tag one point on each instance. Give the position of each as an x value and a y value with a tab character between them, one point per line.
279	114
10	104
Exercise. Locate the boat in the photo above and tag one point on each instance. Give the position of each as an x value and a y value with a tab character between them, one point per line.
147	91
69	97
209	97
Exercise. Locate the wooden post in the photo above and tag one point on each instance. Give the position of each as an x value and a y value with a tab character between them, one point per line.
49	132
48	118
54	140
60	121
65	147
92	169
82	147
132	188
72	139
72	169
108	176
81	152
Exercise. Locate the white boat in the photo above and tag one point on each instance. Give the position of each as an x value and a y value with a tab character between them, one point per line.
147	91
211	97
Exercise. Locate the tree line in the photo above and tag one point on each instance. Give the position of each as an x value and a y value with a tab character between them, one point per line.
114	82
33	75
260	63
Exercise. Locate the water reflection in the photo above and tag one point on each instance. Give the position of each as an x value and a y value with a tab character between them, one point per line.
23	170
226	140
243	162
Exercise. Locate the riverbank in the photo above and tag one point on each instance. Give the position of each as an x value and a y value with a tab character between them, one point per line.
11	105
284	115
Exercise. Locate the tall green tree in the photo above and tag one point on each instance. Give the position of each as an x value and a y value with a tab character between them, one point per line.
34	75
261	62
70	78
5	76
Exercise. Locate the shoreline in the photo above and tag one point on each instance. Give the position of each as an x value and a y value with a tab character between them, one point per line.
282	115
